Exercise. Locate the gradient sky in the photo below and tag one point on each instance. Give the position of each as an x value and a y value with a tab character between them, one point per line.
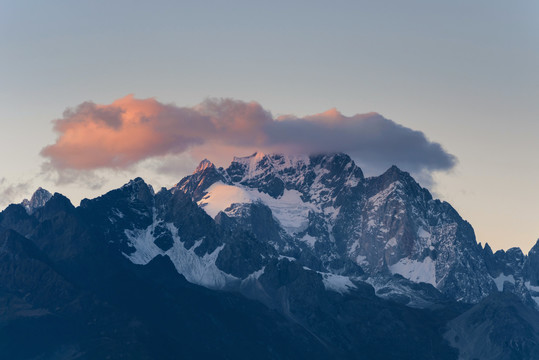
465	73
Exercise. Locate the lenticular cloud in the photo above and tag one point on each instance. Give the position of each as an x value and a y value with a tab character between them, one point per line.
117	136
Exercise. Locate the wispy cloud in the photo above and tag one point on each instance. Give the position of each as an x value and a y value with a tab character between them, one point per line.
130	130
12	192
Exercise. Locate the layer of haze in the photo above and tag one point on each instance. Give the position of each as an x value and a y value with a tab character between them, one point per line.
463	73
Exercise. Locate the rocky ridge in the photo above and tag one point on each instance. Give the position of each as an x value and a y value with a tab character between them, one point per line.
331	252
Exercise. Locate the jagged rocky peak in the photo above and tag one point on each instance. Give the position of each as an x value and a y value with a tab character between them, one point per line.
204	164
58	203
487	248
338	163
259	165
251	159
138	189
531	266
138	183
516	255
394	175
272	173
38	199
323	205
205	175
257	162
508	262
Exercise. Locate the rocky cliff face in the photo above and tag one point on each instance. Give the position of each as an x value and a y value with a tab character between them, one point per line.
335	220
333	253
38	199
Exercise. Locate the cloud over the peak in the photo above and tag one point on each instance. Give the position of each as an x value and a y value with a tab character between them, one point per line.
12	192
130	130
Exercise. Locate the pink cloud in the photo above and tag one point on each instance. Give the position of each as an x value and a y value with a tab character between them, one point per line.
119	135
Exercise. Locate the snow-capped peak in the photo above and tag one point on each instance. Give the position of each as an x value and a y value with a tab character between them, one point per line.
256	157
259	164
277	160
38	199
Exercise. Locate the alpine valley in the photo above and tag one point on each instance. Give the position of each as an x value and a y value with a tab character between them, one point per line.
274	257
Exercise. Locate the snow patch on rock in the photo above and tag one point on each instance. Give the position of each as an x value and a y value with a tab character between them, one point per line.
361	260
309	240
337	283
197	270
220	196
289	209
416	271
501	279
391	243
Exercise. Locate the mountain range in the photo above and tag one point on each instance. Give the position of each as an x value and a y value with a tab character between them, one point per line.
274	257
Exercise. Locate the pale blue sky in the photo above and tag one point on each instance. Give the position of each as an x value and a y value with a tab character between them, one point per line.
465	73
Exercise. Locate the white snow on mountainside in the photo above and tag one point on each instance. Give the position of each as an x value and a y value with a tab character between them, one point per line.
416	271
289	209
275	164
38	199
501	279
196	269
386	224
337	283
325	215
